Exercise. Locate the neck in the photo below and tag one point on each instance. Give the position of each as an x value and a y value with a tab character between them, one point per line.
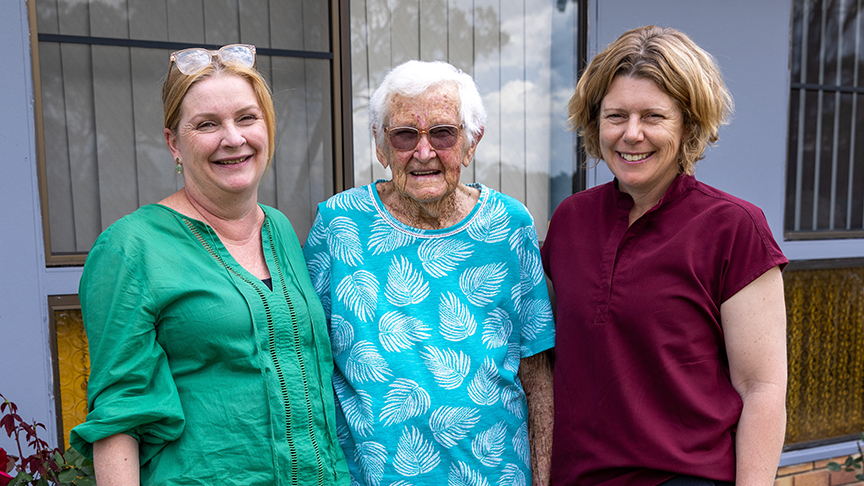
234	222
443	213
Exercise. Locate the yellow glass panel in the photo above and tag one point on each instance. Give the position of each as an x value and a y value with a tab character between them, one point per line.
825	310
73	362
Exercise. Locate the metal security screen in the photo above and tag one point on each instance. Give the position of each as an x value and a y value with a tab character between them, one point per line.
825	176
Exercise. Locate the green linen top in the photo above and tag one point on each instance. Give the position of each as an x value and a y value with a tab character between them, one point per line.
220	379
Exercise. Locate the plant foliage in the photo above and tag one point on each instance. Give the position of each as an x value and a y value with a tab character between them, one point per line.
45	466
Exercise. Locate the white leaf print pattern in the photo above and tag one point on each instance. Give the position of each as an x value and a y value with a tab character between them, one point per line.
531	270
449	425
386	238
488	446
398	331
512	476
371	457
357	408
448	367
406	399
456	320
343	433
520	444
400	483
534	314
341	334
483	388
405	286
359	291
414	454
343	238
497	329
319	273
366	364
318	232
522	234
511	360
462	475
355	199
513	399
481	284
491	226
441	256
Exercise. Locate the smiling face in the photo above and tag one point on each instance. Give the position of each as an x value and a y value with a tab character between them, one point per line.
221	139
641	128
424	174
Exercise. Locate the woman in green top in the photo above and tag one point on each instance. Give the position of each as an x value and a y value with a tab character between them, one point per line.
209	351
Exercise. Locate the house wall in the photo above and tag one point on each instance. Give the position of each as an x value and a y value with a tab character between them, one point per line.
25	370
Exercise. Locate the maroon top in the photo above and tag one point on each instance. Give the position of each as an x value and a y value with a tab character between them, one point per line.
642	387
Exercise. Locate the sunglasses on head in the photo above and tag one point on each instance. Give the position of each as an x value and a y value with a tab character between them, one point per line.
194	60
440	137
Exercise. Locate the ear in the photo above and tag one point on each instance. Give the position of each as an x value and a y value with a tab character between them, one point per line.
379	151
171	140
469	154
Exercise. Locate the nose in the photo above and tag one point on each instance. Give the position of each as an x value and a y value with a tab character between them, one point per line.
232	136
633	131
424	151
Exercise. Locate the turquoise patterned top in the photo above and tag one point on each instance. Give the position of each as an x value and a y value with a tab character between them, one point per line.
428	328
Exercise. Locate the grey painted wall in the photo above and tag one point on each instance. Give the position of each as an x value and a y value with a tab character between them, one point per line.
750	41
25	371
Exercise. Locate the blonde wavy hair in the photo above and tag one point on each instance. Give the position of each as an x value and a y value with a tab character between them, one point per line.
682	69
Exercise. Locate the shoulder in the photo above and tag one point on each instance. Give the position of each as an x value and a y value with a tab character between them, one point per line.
716	202
358	199
138	228
498	201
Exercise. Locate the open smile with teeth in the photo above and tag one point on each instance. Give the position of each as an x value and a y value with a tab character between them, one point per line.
424	172
232	161
634	157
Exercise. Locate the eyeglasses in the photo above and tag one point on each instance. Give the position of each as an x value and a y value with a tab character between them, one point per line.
194	60
441	137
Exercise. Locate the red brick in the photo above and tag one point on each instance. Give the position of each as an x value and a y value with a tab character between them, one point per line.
844	477
813	478
795	469
784	481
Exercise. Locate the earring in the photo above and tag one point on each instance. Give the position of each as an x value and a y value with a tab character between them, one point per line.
179	167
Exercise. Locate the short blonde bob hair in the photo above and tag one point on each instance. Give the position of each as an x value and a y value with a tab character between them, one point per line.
679	67
178	84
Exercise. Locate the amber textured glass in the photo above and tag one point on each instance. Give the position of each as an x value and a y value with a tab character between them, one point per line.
825	310
73	362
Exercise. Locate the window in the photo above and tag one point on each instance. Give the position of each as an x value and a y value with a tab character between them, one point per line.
524	56
825	175
100	70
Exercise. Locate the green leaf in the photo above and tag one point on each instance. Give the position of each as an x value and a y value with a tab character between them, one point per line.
833	466
859	477
67	475
85	482
87	471
74	457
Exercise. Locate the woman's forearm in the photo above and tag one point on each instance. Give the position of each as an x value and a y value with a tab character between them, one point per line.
760	434
116	461
535	372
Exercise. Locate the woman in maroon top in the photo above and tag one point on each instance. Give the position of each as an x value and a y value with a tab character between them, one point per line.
671	350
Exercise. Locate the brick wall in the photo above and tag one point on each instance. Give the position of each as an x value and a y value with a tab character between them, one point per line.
816	474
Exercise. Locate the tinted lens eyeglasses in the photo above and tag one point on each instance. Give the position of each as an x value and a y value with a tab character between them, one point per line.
441	137
194	60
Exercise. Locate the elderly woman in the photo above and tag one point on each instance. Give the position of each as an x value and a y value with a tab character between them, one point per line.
436	299
671	357
199	309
